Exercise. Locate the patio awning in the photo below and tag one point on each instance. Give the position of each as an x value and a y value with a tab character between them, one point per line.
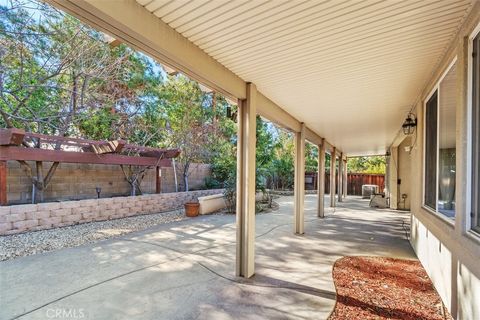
350	71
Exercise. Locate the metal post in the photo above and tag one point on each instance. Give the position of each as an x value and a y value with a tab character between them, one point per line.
321	180
340	178
299	186
245	266
333	159
345	178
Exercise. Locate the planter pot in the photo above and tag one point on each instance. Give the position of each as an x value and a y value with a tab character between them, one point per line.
191	209
212	203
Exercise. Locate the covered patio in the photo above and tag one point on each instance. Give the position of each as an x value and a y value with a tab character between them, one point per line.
341	75
183	270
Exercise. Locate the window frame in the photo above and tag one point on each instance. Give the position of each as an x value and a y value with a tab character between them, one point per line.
435	89
471	225
434	92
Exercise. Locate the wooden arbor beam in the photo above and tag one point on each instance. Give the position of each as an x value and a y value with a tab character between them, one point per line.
11	137
33	154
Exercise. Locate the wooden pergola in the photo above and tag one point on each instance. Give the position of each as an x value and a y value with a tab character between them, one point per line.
18	145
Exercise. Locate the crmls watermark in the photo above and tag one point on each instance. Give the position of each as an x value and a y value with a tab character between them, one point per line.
65	313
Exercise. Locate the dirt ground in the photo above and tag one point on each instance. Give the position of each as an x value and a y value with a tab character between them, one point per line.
384	288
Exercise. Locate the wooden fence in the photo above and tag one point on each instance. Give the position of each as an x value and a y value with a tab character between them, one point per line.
354	182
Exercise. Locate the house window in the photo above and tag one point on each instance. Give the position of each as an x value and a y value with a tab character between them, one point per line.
440	146
476	133
431	116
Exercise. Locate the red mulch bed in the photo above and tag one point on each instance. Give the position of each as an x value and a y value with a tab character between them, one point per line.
384	288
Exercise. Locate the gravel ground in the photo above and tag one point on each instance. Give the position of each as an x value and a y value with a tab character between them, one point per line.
29	243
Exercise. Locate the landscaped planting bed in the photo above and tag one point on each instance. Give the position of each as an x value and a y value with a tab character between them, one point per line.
384	288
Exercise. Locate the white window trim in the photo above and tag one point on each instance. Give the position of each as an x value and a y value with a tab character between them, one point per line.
436	88
468	218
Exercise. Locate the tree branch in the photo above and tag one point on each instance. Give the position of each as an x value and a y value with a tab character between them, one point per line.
50	173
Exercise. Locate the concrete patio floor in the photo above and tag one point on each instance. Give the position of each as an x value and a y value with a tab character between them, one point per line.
185	270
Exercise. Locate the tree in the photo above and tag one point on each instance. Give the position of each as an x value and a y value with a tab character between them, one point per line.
311	158
283	164
223	151
374	165
264	156
190	125
58	76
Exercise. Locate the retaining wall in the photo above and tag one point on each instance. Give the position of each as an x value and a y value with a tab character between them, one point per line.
32	217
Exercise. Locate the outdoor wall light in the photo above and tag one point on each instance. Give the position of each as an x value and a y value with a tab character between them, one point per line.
409	124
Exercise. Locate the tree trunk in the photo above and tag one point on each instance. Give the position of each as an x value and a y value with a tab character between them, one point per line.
133	189
40	185
134	179
39	182
185	181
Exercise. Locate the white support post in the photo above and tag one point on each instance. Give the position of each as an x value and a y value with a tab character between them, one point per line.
321	180
299	186
345	178
393	178
340	178
245	266
333	159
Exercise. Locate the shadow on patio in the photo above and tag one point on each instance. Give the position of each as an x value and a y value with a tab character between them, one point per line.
185	270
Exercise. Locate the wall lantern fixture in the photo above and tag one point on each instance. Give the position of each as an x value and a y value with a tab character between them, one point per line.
409	124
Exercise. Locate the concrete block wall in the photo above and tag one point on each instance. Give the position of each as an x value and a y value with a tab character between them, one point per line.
78	181
32	217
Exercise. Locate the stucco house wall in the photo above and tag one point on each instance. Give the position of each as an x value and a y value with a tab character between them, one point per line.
448	249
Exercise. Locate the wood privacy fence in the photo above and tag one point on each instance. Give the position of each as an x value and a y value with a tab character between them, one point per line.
354	182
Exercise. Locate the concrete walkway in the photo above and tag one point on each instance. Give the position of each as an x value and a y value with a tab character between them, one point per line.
185	270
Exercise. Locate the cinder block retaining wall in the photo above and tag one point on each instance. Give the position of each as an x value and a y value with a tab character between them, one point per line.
78	181
31	217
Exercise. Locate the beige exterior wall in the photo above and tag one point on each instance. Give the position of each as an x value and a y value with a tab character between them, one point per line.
448	250
78	181
404	175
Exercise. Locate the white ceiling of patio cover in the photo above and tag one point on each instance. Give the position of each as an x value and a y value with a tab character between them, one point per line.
350	70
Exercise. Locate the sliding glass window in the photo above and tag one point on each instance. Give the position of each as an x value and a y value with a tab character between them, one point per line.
475	138
440	146
431	116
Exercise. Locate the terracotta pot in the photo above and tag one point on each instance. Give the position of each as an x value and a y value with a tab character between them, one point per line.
192	208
